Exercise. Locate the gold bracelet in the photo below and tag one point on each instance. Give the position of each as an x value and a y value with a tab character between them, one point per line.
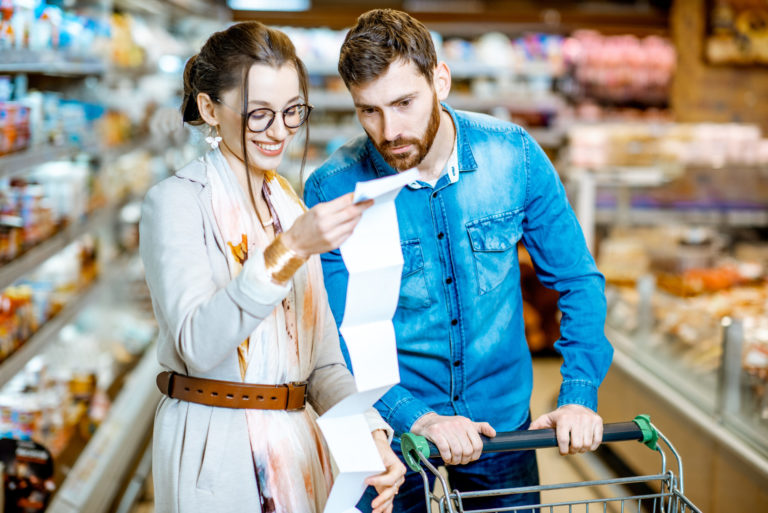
280	261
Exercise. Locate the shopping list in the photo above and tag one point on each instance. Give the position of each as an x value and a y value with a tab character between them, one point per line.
374	261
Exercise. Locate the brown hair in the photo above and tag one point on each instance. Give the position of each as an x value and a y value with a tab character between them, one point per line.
379	38
223	63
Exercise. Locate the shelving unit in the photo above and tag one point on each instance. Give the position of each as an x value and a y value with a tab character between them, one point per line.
459	70
114	445
47	332
17	162
624	179
715	457
342	101
30	260
50	63
96	477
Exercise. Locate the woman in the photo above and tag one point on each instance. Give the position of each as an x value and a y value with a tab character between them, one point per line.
245	329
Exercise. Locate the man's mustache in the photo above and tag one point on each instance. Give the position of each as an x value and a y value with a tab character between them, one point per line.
398	142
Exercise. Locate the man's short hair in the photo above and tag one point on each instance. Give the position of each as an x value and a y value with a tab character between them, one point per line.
380	37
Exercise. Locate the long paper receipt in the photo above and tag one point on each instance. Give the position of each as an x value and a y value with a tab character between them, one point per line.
374	261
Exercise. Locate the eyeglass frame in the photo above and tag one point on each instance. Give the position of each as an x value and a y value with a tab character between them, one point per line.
308	106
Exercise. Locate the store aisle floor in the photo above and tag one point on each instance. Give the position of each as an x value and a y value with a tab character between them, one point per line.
553	468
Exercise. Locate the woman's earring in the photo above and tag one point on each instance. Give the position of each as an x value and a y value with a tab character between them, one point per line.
214	138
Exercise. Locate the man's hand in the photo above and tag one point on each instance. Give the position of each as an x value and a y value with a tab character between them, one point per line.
457	438
388	482
578	428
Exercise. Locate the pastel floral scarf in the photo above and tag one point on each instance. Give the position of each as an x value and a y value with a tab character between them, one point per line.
289	453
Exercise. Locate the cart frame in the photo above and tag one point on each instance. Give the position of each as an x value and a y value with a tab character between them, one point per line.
670	497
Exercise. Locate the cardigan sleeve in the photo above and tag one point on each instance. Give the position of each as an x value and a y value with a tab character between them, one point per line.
206	322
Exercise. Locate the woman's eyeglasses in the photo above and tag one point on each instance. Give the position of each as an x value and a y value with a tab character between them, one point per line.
259	120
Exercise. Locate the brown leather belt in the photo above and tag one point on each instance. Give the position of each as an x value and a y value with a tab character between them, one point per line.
230	394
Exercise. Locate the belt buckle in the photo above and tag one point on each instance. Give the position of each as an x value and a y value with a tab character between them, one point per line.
297	384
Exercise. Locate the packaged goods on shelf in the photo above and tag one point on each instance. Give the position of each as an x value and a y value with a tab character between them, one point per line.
27	218
620	69
27	475
699	168
35	299
699	283
39	27
63	394
42	119
34	208
14	127
686	261
602	145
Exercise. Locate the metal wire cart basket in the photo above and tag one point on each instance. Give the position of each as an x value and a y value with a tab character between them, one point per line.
665	493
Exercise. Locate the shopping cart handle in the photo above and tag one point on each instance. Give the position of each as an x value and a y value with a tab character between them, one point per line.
638	429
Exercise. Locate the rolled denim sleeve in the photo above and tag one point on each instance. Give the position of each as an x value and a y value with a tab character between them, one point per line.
553	237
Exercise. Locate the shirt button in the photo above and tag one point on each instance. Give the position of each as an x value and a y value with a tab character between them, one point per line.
434	195
456	363
448	281
440	235
455	397
454	322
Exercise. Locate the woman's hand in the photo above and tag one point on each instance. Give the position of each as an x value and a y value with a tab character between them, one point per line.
325	226
388	482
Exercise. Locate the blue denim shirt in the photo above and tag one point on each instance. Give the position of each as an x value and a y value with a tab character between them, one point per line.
459	321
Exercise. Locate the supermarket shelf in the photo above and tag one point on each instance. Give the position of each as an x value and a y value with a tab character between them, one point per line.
33	157
686	411
50	63
20	161
459	69
514	102
629	176
203	8
545	102
323	134
473	69
548	137
705	216
30	260
46	334
93	481
325	100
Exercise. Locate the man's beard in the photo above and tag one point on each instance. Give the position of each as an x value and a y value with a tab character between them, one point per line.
404	161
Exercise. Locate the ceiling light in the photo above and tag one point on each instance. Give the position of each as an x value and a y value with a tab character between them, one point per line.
269	5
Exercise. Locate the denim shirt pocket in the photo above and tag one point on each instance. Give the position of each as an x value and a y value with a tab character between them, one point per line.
413	284
494	241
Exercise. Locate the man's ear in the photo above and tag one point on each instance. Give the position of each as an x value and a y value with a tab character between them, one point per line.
442	80
205	106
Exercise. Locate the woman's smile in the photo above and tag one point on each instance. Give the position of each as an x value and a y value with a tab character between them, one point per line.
270	149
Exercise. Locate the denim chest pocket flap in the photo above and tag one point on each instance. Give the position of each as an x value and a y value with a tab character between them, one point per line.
413	284
491	239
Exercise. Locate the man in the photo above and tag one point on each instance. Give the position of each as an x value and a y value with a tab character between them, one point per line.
484	185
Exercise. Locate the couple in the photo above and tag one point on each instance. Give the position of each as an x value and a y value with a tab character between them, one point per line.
238	268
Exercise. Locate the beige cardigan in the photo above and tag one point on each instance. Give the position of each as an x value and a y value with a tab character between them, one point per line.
202	460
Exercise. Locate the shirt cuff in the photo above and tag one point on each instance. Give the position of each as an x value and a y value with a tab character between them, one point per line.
578	391
405	413
376	422
254	290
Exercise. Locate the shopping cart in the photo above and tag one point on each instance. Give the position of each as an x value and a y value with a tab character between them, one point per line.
662	493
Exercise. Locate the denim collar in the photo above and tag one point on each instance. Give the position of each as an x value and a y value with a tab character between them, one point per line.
466	159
